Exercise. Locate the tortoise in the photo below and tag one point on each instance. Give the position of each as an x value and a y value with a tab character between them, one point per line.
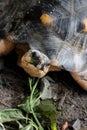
48	36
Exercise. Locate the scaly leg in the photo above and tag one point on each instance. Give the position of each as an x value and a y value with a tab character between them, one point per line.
81	80
6	45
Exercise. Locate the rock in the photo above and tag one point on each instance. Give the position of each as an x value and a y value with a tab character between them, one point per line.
77	125
49	88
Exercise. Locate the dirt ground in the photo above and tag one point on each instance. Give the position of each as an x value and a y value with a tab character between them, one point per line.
71	102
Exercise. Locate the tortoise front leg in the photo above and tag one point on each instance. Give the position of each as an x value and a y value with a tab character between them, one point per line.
6	45
35	63
81	80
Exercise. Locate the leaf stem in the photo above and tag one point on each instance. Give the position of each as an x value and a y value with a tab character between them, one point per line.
37	121
31	98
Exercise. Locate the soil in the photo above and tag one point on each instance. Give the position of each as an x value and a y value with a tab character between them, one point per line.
71	102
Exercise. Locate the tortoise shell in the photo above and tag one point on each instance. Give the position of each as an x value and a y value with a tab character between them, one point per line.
56	32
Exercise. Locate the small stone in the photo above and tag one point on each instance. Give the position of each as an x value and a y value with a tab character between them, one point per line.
46	92
49	89
77	125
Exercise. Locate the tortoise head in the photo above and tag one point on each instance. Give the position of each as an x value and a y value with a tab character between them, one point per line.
35	63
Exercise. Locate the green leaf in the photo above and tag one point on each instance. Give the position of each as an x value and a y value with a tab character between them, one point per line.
32	61
33	100
30	126
27	127
2	126
20	125
49	111
28	104
10	115
25	105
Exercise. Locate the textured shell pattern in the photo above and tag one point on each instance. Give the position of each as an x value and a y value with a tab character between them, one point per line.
64	40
